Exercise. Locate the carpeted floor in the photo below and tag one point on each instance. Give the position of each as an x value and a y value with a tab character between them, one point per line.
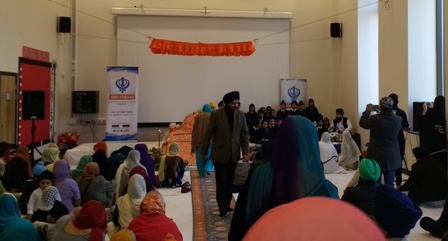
208	225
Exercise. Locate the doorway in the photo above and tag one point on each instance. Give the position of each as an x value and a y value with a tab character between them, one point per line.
8	107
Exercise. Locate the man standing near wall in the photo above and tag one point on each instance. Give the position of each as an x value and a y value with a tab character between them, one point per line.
401	139
230	136
383	144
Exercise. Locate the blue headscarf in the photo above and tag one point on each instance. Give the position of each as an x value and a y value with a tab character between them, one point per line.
12	226
207	108
296	163
295	170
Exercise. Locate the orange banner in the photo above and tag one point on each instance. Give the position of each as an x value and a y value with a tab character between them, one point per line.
160	46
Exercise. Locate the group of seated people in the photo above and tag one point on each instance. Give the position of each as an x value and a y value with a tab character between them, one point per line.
103	195
288	171
264	123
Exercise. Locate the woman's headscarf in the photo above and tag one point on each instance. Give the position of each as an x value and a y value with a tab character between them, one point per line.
61	170
92	215
12	226
49	195
23	152
173	149
91	170
106	170
153	203
141	171
132	161
394	211
5	155
146	161
137	188
349	150
124	235
50	155
296	163
318	214
117	157
86	159
100	146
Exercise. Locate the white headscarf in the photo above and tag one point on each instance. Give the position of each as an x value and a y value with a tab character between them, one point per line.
49	195
329	155
129	205
123	171
132	161
349	150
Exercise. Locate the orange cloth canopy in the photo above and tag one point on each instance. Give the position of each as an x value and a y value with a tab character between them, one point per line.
160	46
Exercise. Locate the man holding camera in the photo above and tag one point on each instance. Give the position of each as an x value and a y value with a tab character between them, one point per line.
383	143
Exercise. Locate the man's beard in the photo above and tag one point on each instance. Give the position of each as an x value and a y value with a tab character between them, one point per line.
338	119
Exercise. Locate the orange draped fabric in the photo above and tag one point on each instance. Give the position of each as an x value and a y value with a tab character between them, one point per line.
161	46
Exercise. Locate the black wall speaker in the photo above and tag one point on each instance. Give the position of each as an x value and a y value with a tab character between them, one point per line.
336	30
64	25
416	112
85	102
33	105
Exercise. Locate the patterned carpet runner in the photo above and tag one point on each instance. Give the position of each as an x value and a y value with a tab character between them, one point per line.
208	225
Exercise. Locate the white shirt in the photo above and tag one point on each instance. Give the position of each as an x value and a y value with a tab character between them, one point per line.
36	201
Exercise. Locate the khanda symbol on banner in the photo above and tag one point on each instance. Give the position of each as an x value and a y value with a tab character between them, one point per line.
122	84
294	93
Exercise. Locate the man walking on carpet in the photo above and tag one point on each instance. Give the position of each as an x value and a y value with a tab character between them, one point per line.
230	135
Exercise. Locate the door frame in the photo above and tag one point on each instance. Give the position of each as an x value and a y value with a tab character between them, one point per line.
4	73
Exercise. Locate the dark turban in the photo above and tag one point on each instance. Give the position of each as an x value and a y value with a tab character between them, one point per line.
231	96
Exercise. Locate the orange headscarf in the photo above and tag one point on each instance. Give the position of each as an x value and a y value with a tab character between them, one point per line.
100	146
23	152
324	219
152	203
90	171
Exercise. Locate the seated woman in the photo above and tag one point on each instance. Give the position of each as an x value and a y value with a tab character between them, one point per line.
49	196
171	168
128	206
117	157
147	162
76	173
295	172
141	171
427	181
17	170
363	194
12	226
350	152
152	223
100	157
123	172
329	155
68	188
93	186
88	225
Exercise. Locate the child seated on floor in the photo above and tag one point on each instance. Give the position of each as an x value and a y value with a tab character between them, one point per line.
35	201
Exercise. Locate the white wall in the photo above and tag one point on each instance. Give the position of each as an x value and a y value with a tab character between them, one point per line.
329	65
